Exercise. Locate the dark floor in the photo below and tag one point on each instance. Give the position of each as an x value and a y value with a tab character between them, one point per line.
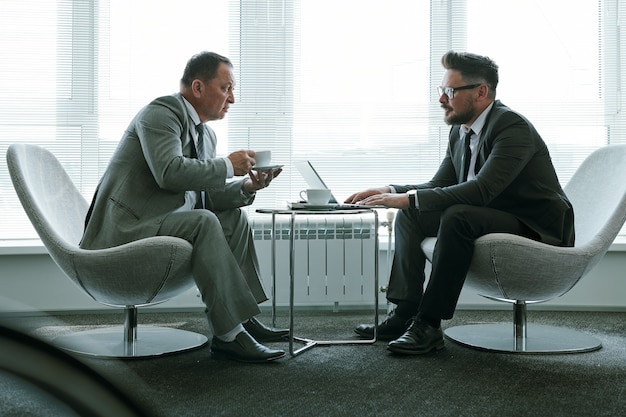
363	380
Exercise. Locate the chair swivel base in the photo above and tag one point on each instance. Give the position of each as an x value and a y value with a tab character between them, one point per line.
109	342
540	339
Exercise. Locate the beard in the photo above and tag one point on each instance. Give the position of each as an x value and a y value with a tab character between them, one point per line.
458	117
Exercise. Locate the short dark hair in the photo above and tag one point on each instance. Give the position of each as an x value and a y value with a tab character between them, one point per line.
473	68
203	66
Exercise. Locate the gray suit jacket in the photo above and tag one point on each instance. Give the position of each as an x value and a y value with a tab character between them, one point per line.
514	173
152	168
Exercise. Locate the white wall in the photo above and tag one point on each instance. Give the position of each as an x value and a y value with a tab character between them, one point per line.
30	281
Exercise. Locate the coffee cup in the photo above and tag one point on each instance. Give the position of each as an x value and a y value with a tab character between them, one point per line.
318	197
263	158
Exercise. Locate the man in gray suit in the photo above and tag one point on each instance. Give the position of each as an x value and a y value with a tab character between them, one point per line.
496	176
164	180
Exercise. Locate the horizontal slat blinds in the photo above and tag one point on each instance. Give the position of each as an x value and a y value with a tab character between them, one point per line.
350	84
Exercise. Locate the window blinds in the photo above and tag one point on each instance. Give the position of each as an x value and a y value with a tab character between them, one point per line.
350	85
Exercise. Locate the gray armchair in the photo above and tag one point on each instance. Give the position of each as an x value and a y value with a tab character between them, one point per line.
521	271
139	273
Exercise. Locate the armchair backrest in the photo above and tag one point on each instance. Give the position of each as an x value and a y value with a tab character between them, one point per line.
52	202
597	190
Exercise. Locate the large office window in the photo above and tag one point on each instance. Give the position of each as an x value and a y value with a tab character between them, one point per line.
349	84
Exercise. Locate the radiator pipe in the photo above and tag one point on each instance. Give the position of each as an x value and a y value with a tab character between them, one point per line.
389	224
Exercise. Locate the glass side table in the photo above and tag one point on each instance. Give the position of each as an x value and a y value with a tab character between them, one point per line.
292	213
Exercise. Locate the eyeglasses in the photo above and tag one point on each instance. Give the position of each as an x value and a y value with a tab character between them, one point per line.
449	91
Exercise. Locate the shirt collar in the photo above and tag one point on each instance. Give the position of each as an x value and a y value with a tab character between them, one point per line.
193	114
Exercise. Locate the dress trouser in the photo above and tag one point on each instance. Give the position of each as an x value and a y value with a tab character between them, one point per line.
224	263
456	229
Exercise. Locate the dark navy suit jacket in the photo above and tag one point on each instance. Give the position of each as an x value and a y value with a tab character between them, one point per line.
514	173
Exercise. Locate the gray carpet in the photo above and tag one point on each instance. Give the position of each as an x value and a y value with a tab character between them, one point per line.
358	380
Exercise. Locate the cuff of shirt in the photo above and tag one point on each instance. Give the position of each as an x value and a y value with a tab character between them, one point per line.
230	171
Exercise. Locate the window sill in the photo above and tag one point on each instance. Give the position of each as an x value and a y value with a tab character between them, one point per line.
35	247
22	247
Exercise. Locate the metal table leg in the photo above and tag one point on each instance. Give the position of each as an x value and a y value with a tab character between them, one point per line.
310	343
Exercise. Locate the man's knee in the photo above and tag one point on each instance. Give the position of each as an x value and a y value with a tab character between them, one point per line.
456	216
457	211
190	225
206	219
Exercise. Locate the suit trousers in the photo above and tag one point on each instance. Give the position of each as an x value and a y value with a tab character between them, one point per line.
456	229
224	263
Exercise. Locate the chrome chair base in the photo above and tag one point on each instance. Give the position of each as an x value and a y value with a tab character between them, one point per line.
150	341
539	339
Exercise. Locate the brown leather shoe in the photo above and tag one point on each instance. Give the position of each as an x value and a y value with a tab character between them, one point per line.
391	328
262	333
419	339
245	349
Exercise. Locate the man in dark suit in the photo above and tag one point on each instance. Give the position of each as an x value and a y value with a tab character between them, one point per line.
164	179
496	176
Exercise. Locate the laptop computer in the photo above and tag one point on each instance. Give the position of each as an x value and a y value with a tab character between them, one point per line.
314	180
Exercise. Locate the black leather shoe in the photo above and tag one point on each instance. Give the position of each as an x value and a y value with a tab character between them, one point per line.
245	349
392	328
419	339
262	333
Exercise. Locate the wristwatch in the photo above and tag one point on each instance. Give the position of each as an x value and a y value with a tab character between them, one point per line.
412	198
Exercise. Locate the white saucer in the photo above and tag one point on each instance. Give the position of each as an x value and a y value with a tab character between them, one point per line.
267	168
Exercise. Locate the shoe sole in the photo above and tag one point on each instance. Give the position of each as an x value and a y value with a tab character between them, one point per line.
438	346
225	355
271	339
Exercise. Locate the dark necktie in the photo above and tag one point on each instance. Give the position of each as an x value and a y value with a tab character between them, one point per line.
201	154
467	157
200	148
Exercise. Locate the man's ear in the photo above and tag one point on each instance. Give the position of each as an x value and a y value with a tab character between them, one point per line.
196	87
483	91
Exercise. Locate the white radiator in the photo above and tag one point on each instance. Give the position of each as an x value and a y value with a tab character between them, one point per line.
334	259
